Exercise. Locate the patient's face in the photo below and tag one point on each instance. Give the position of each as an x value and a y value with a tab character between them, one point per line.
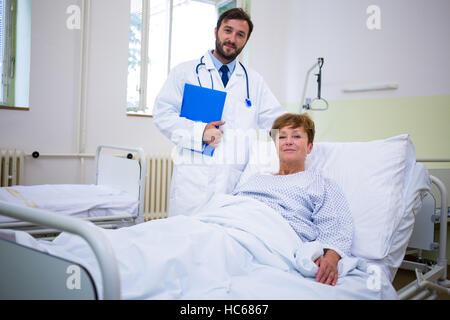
292	144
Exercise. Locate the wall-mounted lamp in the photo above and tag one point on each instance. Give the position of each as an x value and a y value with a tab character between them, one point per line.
317	104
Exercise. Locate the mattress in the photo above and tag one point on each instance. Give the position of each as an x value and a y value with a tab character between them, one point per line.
75	200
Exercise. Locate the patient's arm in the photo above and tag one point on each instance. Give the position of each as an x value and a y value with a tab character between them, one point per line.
333	219
328	267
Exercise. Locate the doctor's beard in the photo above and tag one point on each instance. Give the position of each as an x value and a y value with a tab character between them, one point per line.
221	52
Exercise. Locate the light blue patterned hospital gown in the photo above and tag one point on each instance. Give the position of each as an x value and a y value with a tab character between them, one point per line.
314	206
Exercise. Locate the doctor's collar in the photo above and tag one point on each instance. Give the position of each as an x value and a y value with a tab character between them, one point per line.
231	66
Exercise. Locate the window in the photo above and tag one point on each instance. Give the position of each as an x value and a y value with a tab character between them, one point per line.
15	30
164	33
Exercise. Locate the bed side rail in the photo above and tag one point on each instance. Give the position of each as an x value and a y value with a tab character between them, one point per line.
98	242
436	278
442	260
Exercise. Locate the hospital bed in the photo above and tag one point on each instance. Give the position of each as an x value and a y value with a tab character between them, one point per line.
387	191
115	199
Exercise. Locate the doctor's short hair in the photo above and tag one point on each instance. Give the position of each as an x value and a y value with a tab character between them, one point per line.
237	14
294	121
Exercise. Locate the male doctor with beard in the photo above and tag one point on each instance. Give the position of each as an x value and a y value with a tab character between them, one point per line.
249	105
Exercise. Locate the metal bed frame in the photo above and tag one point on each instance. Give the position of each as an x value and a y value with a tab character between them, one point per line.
107	222
430	279
97	241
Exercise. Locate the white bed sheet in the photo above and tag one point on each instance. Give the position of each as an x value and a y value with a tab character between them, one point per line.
74	200
235	248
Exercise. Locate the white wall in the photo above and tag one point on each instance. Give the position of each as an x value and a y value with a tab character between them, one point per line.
411	48
268	41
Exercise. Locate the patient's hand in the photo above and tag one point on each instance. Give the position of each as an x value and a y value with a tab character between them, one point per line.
328	268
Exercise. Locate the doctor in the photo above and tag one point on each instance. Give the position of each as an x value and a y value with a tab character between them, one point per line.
249	105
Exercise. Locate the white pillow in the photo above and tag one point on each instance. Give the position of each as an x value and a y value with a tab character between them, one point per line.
371	175
263	158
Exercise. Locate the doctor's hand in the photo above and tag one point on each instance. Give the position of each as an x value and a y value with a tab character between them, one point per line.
328	268
212	135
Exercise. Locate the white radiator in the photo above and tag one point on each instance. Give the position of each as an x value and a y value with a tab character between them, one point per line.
11	167
157	189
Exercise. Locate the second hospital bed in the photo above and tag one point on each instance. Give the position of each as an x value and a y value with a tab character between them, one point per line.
115	199
381	179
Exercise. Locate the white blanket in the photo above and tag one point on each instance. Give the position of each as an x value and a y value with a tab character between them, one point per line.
235	248
75	200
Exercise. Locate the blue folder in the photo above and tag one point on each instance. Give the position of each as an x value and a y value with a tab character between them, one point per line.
202	104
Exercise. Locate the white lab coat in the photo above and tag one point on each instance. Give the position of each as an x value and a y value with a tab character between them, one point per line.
197	177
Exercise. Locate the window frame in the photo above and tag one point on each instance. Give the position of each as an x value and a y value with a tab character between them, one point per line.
8	75
144	57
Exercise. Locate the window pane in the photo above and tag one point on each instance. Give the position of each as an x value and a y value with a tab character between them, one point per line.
192	30
158	45
2	43
22	57
193	25
134	56
192	33
227	5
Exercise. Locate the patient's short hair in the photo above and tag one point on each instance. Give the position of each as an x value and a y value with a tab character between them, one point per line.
294	121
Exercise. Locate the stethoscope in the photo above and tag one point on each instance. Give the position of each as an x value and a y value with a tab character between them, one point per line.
247	101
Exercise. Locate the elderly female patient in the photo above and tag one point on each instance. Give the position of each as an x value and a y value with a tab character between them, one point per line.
314	206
